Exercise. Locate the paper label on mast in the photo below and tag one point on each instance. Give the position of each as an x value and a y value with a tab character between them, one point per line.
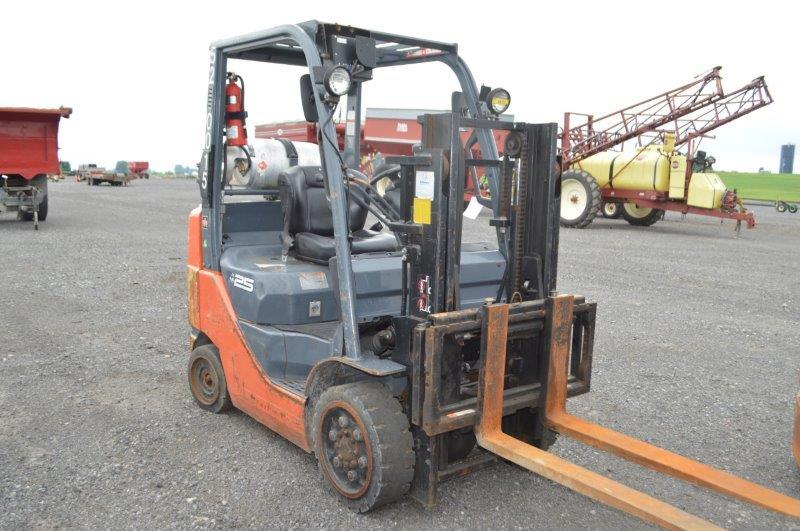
424	185
473	209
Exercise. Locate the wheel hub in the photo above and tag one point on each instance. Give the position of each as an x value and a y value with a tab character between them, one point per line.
577	200
347	458
205	386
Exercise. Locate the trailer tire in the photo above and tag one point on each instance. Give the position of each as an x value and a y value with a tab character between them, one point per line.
42	209
207	380
611	210
580	199
363	445
641	217
28	215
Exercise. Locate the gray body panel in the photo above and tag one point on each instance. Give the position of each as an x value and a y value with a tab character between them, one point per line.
272	300
289	354
265	290
270	291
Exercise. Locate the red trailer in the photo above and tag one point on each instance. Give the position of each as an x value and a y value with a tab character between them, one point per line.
386	132
28	153
140	169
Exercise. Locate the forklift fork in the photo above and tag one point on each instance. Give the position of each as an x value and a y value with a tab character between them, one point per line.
491	437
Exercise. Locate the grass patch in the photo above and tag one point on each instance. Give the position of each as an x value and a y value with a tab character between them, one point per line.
767	186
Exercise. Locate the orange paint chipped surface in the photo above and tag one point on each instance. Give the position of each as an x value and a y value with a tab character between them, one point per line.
211	312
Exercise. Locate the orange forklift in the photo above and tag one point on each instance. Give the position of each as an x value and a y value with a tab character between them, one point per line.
356	323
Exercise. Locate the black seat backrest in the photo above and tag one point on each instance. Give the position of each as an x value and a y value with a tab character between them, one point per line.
305	205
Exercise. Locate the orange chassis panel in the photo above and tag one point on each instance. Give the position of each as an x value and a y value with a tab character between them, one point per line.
251	391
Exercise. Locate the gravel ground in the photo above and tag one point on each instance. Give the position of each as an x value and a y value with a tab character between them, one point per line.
696	349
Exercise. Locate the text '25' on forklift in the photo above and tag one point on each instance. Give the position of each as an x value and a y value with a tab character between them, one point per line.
389	351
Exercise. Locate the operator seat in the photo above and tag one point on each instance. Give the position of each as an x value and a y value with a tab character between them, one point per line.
308	221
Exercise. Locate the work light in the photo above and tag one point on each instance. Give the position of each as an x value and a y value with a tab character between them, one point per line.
337	81
498	100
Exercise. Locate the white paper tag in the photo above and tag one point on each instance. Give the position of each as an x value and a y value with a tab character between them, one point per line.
473	209
424	185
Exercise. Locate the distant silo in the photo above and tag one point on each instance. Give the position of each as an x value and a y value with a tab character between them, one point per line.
787	159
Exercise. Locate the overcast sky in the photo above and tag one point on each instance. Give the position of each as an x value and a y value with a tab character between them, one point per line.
135	72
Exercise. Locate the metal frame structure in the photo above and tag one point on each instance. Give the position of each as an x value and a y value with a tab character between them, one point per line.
439	336
689	111
294	45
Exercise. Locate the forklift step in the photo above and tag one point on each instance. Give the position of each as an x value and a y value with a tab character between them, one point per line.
296	386
491	437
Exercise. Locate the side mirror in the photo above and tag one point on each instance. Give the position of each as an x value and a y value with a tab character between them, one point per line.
307	98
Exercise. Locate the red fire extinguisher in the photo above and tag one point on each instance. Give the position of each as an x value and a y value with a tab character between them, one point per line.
235	114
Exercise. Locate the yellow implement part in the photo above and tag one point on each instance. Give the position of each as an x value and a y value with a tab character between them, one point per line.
490	436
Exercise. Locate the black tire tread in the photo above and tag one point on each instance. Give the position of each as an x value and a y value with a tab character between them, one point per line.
210	352
596	199
616	215
654	215
388	427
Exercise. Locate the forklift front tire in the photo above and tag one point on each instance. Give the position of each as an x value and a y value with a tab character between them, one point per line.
363	445
207	380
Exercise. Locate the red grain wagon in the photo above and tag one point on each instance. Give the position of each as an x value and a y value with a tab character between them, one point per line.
28	154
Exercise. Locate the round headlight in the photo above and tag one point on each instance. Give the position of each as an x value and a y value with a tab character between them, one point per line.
337	81
498	100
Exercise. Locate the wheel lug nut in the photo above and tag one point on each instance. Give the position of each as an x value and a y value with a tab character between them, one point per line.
357	435
351	475
343	422
362	461
337	462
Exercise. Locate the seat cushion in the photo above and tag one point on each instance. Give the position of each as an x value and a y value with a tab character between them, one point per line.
320	249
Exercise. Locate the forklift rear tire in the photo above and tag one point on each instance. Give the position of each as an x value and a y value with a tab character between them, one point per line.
363	445
580	199
641	217
207	380
791	208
